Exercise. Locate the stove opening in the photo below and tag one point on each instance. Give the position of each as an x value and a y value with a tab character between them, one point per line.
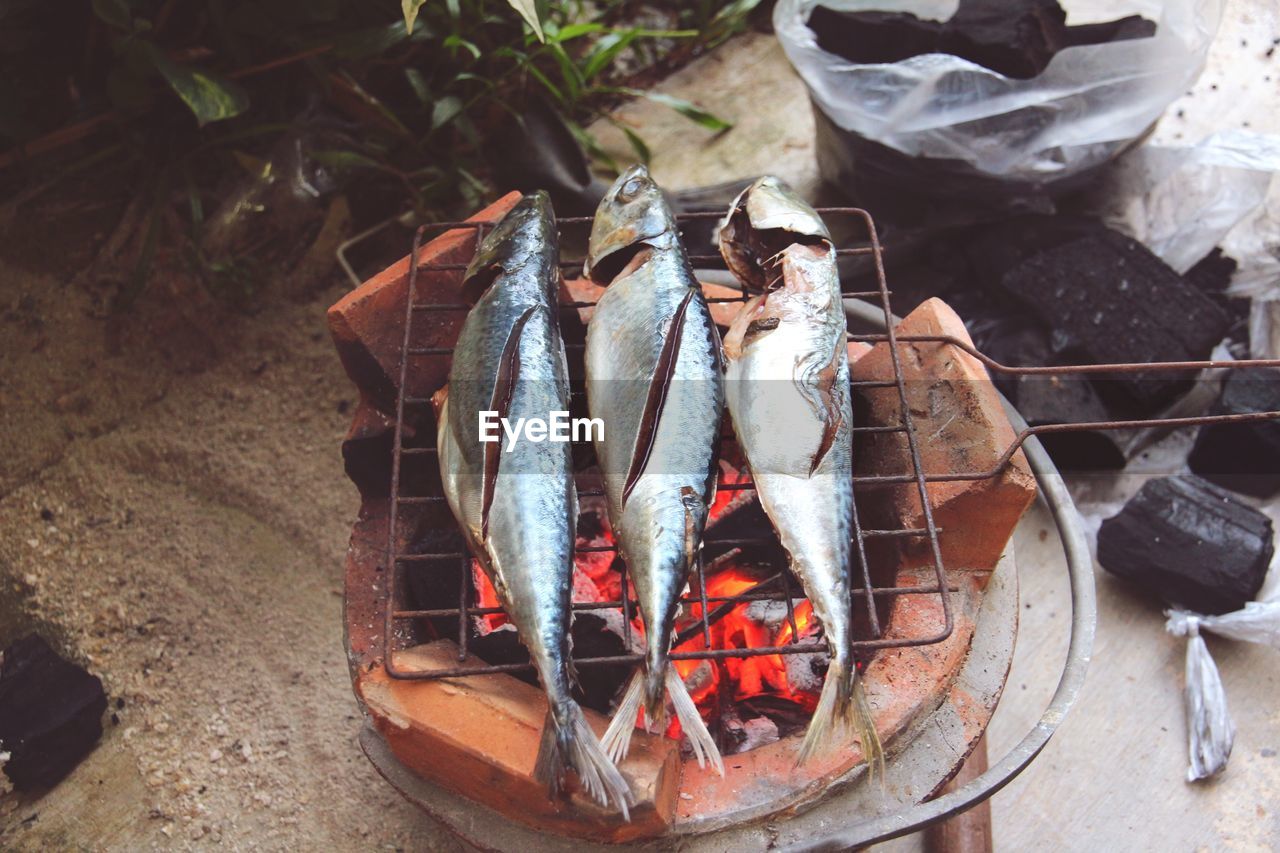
747	702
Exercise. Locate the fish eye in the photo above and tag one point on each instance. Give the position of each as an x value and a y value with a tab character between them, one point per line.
631	188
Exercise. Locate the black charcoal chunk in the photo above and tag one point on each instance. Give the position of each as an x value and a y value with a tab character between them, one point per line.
1189	543
874	37
1109	298
1125	29
1213	272
1244	457
1014	39
50	714
1047	399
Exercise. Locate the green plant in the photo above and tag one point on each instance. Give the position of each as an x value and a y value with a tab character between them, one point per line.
396	98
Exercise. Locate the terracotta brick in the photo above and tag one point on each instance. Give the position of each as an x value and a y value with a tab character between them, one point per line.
367	324
960	426
479	736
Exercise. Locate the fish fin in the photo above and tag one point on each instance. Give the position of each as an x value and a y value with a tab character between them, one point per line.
573	746
503	390
717	346
843	712
439	403
659	385
704	745
824	396
617	738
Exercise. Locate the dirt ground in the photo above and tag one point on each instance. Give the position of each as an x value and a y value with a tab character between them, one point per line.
174	515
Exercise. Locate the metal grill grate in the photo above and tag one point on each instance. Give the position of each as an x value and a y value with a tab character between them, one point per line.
778	587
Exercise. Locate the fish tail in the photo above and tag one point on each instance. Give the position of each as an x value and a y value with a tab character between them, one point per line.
704	745
569	744
842	711
617	739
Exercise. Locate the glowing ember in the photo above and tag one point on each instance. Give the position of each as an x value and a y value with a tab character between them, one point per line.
714	685
751	624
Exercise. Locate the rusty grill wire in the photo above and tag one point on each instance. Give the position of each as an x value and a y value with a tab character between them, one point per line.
777	587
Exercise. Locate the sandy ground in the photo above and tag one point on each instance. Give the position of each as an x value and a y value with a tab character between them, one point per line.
179	527
173	514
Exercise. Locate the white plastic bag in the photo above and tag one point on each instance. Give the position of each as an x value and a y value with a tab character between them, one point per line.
1210	732
1090	102
1181	201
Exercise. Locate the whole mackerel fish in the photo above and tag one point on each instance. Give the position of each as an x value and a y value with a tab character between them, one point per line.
654	377
518	507
787	372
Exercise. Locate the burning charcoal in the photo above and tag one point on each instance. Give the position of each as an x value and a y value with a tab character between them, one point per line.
1016	42
738	735
759	732
789	717
50	714
874	37
1244	457
805	672
1190	543
1112	300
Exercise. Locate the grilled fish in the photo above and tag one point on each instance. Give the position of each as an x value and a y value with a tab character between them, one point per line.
787	389
654	377
518	507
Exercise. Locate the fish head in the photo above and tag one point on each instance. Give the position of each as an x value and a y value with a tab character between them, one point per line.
527	234
763	221
632	216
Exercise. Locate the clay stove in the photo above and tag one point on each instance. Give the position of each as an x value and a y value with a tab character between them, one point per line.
454	726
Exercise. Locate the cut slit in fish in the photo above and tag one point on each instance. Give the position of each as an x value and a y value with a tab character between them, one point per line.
503	390
659	387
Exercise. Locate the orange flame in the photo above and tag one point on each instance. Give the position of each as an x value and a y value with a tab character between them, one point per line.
709	681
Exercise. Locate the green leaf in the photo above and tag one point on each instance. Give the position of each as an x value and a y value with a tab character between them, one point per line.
419	85
550	87
568	72
605	50
340	159
456	41
686	108
637	144
736	9
410	9
114	12
370	41
590	144
210	96
529	11
573	31
445	111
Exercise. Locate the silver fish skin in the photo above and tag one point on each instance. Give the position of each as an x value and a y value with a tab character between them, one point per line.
654	377
787	389
518	508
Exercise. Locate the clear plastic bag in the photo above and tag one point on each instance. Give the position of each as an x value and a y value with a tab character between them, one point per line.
1210	732
1088	105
